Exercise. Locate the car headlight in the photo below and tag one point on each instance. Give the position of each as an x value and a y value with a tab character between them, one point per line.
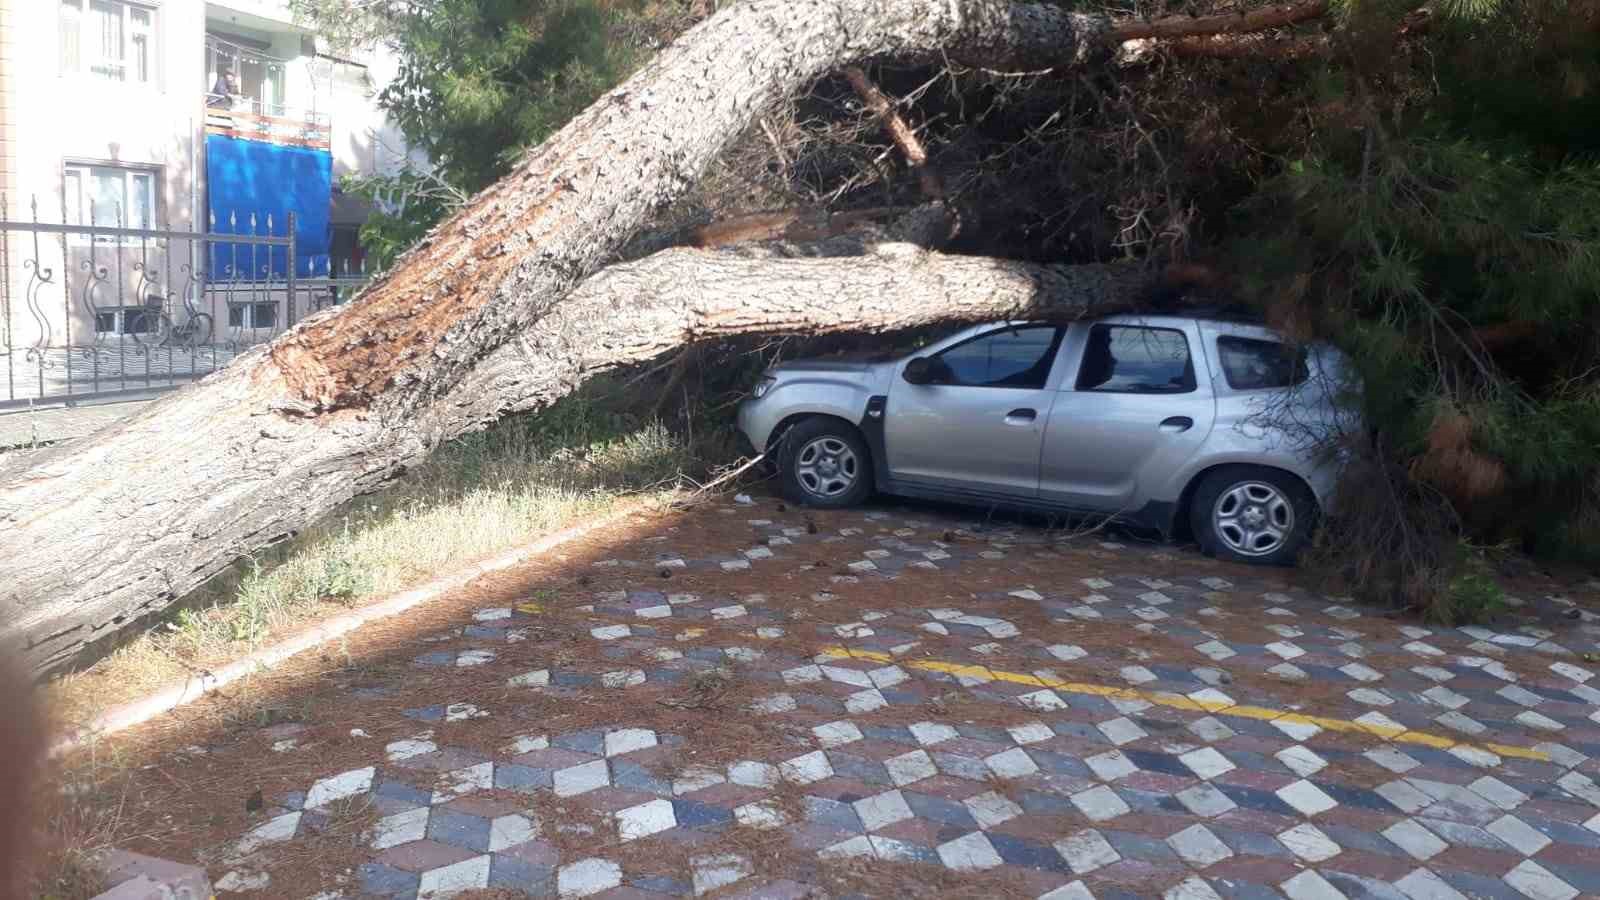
762	386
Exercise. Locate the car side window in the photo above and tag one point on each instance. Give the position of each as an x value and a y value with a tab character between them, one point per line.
1013	357
1131	359
1250	365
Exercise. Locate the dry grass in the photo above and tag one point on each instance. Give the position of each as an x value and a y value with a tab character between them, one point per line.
86	819
475	497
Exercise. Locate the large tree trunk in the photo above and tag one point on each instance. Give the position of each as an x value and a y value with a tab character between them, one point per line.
636	312
106	530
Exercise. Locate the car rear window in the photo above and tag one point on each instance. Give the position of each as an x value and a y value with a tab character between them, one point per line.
1250	365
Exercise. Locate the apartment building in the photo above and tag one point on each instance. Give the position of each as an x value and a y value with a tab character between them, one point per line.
201	116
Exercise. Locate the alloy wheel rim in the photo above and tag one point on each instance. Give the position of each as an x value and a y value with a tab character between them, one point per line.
827	467
1253	518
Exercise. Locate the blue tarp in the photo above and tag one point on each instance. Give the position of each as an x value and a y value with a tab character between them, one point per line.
254	177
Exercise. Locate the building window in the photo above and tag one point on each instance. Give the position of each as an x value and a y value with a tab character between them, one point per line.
252	315
127	320
112	39
111	196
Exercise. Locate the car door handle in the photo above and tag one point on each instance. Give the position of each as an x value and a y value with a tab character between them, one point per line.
1021	416
1177	424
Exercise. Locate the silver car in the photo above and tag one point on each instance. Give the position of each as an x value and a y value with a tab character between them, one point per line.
1203	425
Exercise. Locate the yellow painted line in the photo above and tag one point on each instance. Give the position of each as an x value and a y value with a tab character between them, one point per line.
1178	701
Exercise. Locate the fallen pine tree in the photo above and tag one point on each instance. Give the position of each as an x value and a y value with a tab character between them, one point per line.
481	318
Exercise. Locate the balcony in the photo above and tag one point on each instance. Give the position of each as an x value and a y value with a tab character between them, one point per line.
247	96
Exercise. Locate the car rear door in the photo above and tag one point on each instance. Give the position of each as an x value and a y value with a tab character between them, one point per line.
1135	402
979	428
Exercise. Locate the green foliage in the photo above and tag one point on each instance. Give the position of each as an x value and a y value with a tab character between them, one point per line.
1473	596
405	206
479	82
1448	231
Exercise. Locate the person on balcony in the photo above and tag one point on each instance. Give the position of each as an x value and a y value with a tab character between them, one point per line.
223	92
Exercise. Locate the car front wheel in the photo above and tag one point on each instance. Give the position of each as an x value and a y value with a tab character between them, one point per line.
825	463
1252	514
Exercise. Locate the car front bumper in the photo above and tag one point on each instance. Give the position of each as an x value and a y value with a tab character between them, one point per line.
755	423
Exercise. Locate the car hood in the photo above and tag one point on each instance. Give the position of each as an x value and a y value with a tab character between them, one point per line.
823	365
839	364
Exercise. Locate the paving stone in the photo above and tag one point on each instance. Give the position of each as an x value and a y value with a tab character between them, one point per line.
454	878
275	830
941	811
588	877
1422	884
715	871
1013	763
338	787
1086	851
420	856
1198	847
814	766
992	808
1205	800
970	852
1191	888
1206	762
1414	839
581	779
386	881
1306	797
832	814
1309	843
753	774
449	827
628	740
1111	765
693	814
1072	891
882	809
1518	835
1100	804
1538	882
1308	885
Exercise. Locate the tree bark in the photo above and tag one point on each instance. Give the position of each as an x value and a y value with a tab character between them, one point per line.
636	312
1173	27
97	534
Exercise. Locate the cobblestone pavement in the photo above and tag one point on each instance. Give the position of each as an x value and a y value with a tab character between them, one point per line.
756	702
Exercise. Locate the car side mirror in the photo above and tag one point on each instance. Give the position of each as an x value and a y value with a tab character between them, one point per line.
919	371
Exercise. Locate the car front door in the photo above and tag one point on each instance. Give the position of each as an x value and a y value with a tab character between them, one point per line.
1130	410
977	425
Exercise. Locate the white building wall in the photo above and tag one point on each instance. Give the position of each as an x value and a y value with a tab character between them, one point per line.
49	117
62	116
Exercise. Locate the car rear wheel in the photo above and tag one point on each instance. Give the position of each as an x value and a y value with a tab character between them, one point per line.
825	462
1252	514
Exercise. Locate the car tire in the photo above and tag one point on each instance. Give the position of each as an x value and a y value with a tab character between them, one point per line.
825	463
1252	514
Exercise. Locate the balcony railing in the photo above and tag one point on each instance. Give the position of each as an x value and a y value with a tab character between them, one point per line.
254	120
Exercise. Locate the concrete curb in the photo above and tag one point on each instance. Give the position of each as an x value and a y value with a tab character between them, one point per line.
190	689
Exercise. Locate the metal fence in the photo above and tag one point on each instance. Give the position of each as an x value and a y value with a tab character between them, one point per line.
92	310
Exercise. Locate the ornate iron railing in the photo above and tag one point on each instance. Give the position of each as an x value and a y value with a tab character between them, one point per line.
96	310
